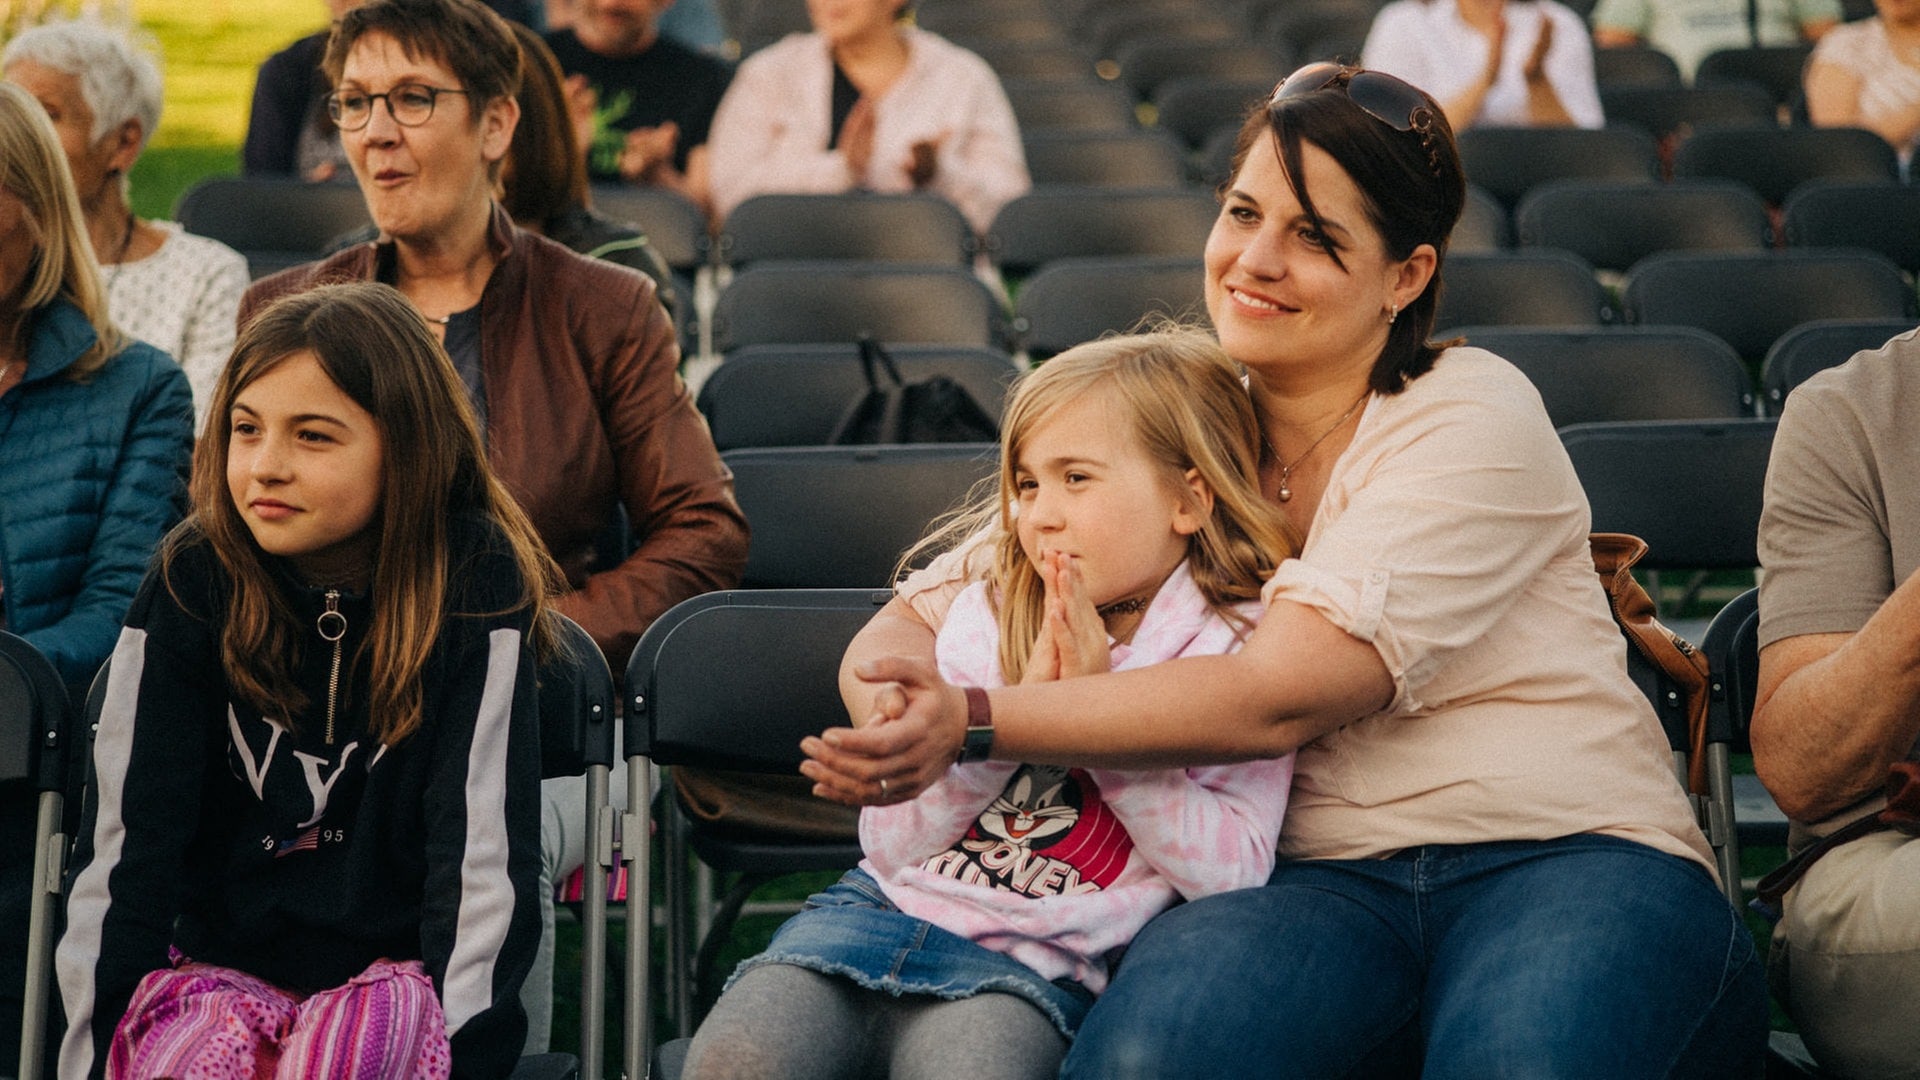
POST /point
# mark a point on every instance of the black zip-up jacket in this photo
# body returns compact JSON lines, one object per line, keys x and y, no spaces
{"x":256,"y":845}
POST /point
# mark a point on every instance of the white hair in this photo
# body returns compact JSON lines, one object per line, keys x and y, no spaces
{"x":118,"y":80}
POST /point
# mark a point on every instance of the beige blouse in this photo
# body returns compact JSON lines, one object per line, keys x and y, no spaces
{"x":1453,"y":538}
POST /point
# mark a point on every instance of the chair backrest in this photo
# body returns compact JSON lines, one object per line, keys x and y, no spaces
{"x":1148,"y":65}
{"x":841,"y":516}
{"x":577,"y":698}
{"x":736,"y":679}
{"x":1059,"y":223}
{"x":1193,"y":107}
{"x":1029,"y":60}
{"x":1689,"y":488}
{"x":1533,"y":287}
{"x":1774,"y":68}
{"x":1775,"y":160}
{"x":1309,"y":31}
{"x":1874,"y":215}
{"x":276,"y":222}
{"x":1614,"y":225}
{"x":1664,"y":111}
{"x":965,"y":22}
{"x":914,"y":227}
{"x":1625,"y":373}
{"x":1068,"y":105}
{"x":791,"y":302}
{"x":1509,"y":161}
{"x":793,"y":395}
{"x":1112,"y":159}
{"x":674,"y":225}
{"x":1749,"y":299}
{"x":1075,"y":300}
{"x":1484,"y":224}
{"x":1634,"y":65}
{"x":1813,"y":347}
{"x":1111,"y":29}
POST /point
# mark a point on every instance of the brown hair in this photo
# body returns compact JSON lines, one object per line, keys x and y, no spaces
{"x":1187,"y":406}
{"x":33,"y":169}
{"x":546,"y":172}
{"x":379,"y":351}
{"x":1412,"y":183}
{"x":474,"y":43}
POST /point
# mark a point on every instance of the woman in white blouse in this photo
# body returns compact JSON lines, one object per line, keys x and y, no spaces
{"x":865,"y":102}
{"x":169,"y":288}
{"x":1867,"y":74}
{"x":1491,"y":63}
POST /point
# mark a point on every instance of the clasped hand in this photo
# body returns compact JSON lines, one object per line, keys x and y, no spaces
{"x":914,"y":732}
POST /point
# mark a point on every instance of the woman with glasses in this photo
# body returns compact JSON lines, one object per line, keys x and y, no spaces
{"x":570,"y":362}
{"x":1486,"y":867}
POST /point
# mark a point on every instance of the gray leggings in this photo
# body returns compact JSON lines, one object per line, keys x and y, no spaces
{"x":782,"y":1022}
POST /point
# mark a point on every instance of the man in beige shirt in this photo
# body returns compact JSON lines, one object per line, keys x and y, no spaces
{"x":1839,"y":701}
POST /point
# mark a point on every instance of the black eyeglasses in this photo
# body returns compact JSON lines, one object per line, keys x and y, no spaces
{"x":1393,"y":102}
{"x":410,"y":105}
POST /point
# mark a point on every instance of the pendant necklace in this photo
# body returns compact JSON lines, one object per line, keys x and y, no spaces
{"x":1286,"y":471}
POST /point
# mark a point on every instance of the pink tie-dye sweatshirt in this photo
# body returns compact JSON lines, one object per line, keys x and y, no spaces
{"x":1060,"y":867}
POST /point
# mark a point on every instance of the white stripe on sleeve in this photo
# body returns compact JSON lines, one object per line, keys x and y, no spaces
{"x":486,"y":892}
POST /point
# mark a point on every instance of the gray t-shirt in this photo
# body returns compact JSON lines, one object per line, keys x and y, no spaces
{"x":1841,"y":525}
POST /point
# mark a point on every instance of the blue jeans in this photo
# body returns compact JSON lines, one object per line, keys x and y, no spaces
{"x":1586,"y":956}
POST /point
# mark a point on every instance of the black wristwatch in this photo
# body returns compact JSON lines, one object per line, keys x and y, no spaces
{"x":978,"y":742}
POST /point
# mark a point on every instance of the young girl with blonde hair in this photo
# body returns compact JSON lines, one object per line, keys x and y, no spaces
{"x":1127,"y":529}
{"x":314,"y":836}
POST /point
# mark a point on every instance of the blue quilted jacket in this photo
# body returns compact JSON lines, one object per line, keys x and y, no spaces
{"x":92,"y":475}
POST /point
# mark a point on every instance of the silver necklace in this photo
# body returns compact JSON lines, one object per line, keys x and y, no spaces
{"x":1286,"y":471}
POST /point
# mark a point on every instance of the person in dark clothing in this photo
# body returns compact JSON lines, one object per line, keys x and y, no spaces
{"x":314,"y":834}
{"x":650,"y":99}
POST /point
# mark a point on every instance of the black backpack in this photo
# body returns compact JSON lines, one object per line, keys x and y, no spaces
{"x":892,"y":410}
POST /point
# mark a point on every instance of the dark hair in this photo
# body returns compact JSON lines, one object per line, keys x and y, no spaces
{"x":465,"y":35}
{"x":546,"y":173}
{"x":1412,"y":183}
{"x":377,"y":349}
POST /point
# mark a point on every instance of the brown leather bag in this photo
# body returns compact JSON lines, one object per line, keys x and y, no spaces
{"x":1674,"y":657}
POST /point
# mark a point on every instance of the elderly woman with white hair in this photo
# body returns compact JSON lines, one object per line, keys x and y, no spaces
{"x":176,"y":291}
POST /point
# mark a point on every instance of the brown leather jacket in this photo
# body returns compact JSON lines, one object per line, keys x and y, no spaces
{"x":586,"y":412}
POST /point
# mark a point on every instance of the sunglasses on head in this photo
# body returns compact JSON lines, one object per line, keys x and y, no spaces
{"x":1391,"y":101}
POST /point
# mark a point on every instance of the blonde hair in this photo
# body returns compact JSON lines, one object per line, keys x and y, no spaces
{"x":33,"y":169}
{"x":1187,"y":408}
{"x":378,"y":350}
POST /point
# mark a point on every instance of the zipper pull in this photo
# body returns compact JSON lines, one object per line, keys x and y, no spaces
{"x":332,"y":626}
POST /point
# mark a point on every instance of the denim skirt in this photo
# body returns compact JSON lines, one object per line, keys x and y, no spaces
{"x":852,"y":930}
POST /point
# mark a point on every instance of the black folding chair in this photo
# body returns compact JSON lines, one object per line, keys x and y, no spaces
{"x":1750,"y":298}
{"x":1148,"y":65}
{"x":1774,"y":160}
{"x":1068,"y":105}
{"x":36,"y":735}
{"x":675,"y":227}
{"x":796,"y":302}
{"x":1813,"y":347}
{"x":1530,"y":287}
{"x":1624,"y":373}
{"x":1484,"y":224}
{"x":1613,"y":225}
{"x":1689,"y":488}
{"x":917,"y":228}
{"x":1510,"y":161}
{"x":1777,"y":69}
{"x":1108,"y":159}
{"x":1873,"y":215}
{"x":1058,"y":223}
{"x":275,"y":221}
{"x":1670,"y":112}
{"x":1193,"y":107}
{"x":728,"y":680}
{"x":1076,"y":300}
{"x":1634,"y":65}
{"x":841,"y":516}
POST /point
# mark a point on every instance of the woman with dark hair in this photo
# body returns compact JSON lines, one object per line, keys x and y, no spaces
{"x":1486,"y":868}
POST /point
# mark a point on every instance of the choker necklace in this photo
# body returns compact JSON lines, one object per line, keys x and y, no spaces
{"x":1286,"y":471}
{"x":1125,"y":607}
